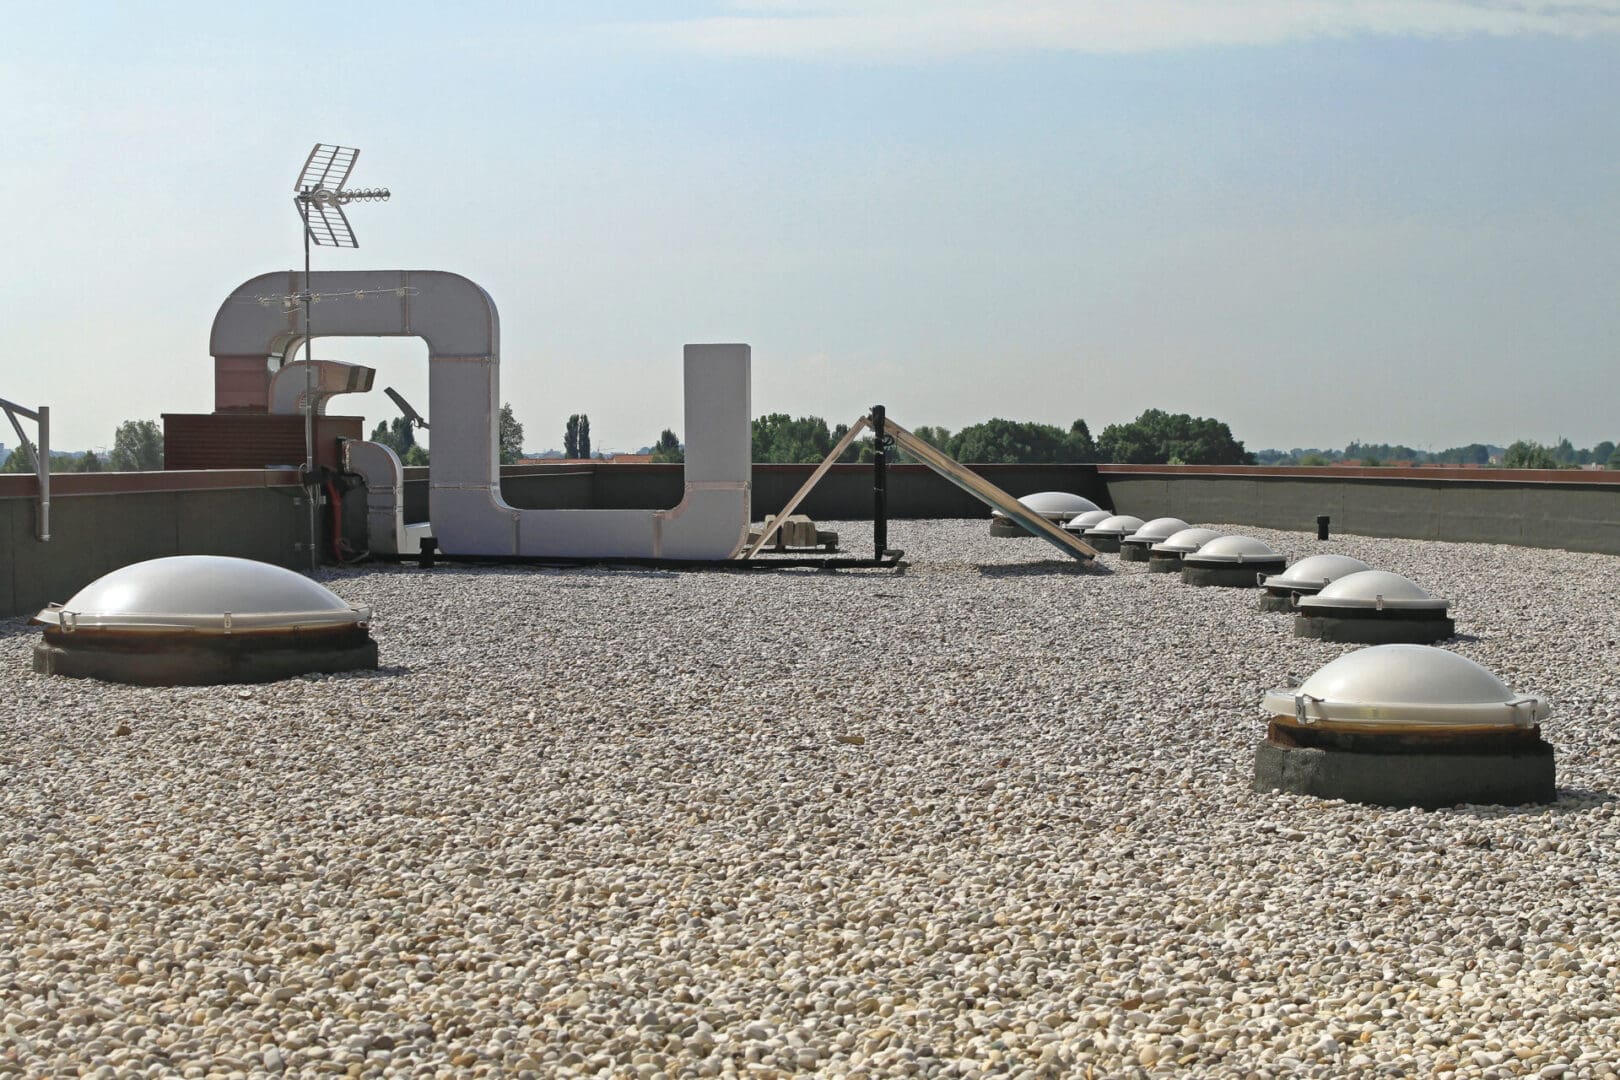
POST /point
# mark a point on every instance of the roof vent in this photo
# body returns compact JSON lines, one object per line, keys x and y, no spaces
{"x":192,"y":620}
{"x":1406,"y":725}
{"x":1234,"y":562}
{"x":1374,"y":607}
{"x":1134,"y":548}
{"x":1306,"y":578}
{"x":1055,"y":506}
{"x":1165,"y":556}
{"x":1107,"y":533}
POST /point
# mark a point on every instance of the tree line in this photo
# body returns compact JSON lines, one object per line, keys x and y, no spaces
{"x":1153,"y":438}
{"x":1523,"y":454}
{"x":137,"y":447}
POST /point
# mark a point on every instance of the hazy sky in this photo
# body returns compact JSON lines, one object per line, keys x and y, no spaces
{"x":1317,"y":220}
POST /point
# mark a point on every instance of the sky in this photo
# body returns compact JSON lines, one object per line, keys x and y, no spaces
{"x":1317,"y":220}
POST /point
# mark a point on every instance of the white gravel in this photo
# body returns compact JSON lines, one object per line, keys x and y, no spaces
{"x":988,"y":815}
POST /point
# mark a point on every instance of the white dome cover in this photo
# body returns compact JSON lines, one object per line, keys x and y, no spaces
{"x":1118,"y":525}
{"x":1156,"y":530}
{"x":1086,"y":520}
{"x":1187,"y":540}
{"x":1055,"y":504}
{"x":1235,"y":549}
{"x":203,"y":592}
{"x":1406,"y":685}
{"x":1378,"y":589}
{"x":1316,"y":572}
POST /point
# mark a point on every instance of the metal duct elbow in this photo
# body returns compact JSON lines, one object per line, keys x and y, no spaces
{"x":332,"y":377}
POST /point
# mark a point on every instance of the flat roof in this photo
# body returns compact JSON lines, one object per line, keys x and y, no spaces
{"x":991,"y":809}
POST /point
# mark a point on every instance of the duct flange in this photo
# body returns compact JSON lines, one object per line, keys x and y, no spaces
{"x":1374,"y":607}
{"x":1137,"y":547}
{"x":1165,"y":557}
{"x":192,"y":620}
{"x":1306,"y":578}
{"x":1406,"y":725}
{"x":1233,"y":562}
{"x":1057,"y":507}
{"x":1107,"y":533}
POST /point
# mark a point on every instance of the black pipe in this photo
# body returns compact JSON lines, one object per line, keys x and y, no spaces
{"x":1322,"y":527}
{"x":880,"y":485}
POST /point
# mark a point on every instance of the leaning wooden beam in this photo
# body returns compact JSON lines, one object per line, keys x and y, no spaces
{"x":981,"y":489}
{"x":798,"y":496}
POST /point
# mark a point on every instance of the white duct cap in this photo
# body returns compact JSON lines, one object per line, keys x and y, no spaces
{"x":1082,"y":522}
{"x":1235,"y":549}
{"x":1118,"y":525}
{"x":1156,"y":530}
{"x":203,"y":594}
{"x":1315,"y":572}
{"x":1187,"y":541}
{"x":1395,"y":686}
{"x":1374,"y":589}
{"x":1054,"y":505}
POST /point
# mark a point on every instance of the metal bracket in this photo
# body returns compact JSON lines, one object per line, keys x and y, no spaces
{"x":40,"y":458}
{"x":1299,"y":707}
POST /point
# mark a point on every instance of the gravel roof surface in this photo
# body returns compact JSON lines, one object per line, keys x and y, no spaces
{"x":990,"y":813}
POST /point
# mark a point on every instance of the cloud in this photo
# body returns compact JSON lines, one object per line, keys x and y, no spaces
{"x":937,"y":29}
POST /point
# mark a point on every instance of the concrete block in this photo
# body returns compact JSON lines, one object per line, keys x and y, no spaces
{"x":1426,"y":780}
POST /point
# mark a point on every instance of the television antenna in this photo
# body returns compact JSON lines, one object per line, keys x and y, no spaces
{"x":320,"y":197}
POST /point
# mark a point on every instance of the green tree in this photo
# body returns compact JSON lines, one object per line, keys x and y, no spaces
{"x":1156,"y":437}
{"x":668,"y":449}
{"x":577,"y":437}
{"x":1314,"y":460}
{"x":511,"y":437}
{"x":16,"y":462}
{"x":1603,"y":452}
{"x":779,"y":438}
{"x":1526,"y":454}
{"x":1000,"y":441}
{"x":89,"y":462}
{"x":1082,"y":446}
{"x":398,"y":435}
{"x":137,"y":447}
{"x":416,"y":455}
{"x":1564,"y":453}
{"x":1472,"y":454}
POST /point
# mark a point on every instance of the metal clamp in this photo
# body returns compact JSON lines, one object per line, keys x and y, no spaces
{"x":1524,"y":722}
{"x":1299,"y":707}
{"x":68,"y":621}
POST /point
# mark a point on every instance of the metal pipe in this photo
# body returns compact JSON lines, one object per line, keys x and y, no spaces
{"x":44,"y":472}
{"x":311,"y":486}
{"x":880,"y":485}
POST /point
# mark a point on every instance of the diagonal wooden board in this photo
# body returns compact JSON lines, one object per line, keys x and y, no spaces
{"x":804,"y":489}
{"x":958,"y":474}
{"x":986,"y":492}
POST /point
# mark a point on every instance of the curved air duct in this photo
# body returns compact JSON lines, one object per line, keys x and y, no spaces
{"x":332,"y":377}
{"x":458,"y":321}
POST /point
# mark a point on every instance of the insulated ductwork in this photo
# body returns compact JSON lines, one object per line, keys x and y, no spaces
{"x":458,"y":321}
{"x":332,"y":377}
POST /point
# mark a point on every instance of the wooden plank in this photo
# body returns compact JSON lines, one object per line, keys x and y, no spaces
{"x":798,"y":496}
{"x":986,"y":492}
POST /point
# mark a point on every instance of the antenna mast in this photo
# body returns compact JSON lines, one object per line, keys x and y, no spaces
{"x":320,"y":198}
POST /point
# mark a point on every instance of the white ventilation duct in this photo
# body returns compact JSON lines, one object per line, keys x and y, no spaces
{"x":458,"y":321}
{"x":332,"y":377}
